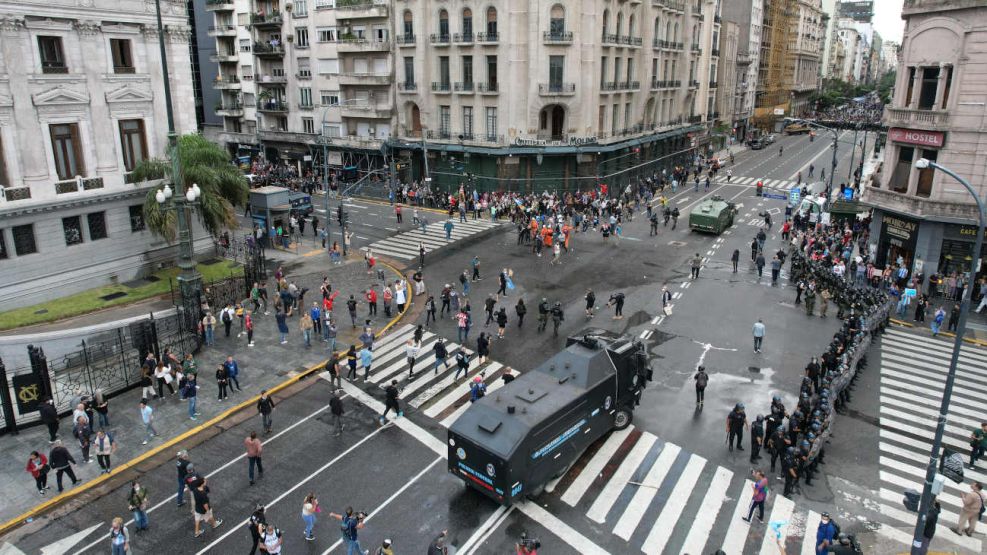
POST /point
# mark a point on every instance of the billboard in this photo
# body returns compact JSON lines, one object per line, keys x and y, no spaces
{"x":862,"y":11}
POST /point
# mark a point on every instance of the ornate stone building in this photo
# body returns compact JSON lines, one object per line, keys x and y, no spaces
{"x":81,"y":102}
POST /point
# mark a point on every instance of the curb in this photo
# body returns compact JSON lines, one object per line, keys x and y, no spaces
{"x":970,"y":340}
{"x":69,"y":495}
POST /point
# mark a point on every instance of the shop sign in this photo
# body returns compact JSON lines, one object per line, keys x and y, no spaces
{"x":917,"y":137}
{"x":899,"y":228}
{"x":962,"y":232}
{"x":569,"y":141}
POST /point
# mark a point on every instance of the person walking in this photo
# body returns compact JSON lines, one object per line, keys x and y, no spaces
{"x":281,"y":318}
{"x":162,"y":374}
{"x":825,"y":534}
{"x":735,"y":259}
{"x":440,"y":355}
{"x":702,"y":379}
{"x":937,"y":320}
{"x":336,"y":409}
{"x":758,"y":332}
{"x":973,"y":504}
{"x":257,"y":525}
{"x":147,"y":418}
{"x":37,"y":466}
{"x":978,"y":444}
{"x":306,"y":326}
{"x":666,"y":301}
{"x":775,"y":269}
{"x":757,"y":438}
{"x":265,"y":406}
{"x":191,"y":394}
{"x":310,"y":506}
{"x":83,"y":433}
{"x":760,"y":487}
{"x":61,"y":462}
{"x":232,"y":372}
{"x":391,"y":402}
{"x":351,"y":523}
{"x":271,"y":540}
{"x":203,"y":509}
{"x":697,"y":263}
{"x":501,"y":322}
{"x":119,"y":538}
{"x":184,"y":466}
{"x":254,"y":449}
{"x":137,"y":504}
{"x":105,"y":447}
{"x":759,"y":263}
{"x":931,"y":521}
{"x":411,"y":348}
{"x":520,"y":309}
{"x":49,"y":416}
{"x":736,"y":422}
{"x":366,"y":360}
{"x":222,"y":382}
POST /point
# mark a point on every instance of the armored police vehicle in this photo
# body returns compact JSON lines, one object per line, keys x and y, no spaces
{"x":512,"y":442}
{"x":712,"y":215}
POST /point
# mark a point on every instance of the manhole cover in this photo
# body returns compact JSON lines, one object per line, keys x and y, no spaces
{"x":754,"y":369}
{"x":677,"y":243}
{"x":112,"y":296}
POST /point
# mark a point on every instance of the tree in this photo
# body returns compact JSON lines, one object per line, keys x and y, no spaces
{"x":203,"y":163}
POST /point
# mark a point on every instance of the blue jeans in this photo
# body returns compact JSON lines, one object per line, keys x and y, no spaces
{"x":210,"y":334}
{"x":308,"y":338}
{"x":104,"y":419}
{"x":466,"y":288}
{"x":448,"y":234}
{"x":462,"y":333}
{"x":284,"y":336}
{"x":353,"y":547}
{"x":325,"y":331}
{"x":332,"y":344}
{"x":180,"y":497}
{"x":439,"y":361}
{"x":309,"y":524}
{"x":251,"y":463}
{"x":118,"y":549}
{"x":140,"y":519}
{"x":191,"y":407}
{"x":150,"y":431}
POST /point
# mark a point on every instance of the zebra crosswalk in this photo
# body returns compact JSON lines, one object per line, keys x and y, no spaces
{"x":913,"y":374}
{"x":646,"y":494}
{"x":404,"y":246}
{"x":777,"y":184}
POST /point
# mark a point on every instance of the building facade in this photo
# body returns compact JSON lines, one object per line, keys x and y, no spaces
{"x":81,"y":102}
{"x":749,"y":17}
{"x":922,"y":217}
{"x":791,"y":50}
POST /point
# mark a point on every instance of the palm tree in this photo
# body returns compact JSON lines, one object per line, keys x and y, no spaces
{"x":206,"y":164}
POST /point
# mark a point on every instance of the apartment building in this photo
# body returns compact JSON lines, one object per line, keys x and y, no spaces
{"x":922,"y":216}
{"x":791,"y":51}
{"x":749,"y":17}
{"x":809,"y":36}
{"x":81,"y":103}
{"x":554,"y":95}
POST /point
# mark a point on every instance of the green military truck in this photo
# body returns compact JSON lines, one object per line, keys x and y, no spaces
{"x":712,"y":215}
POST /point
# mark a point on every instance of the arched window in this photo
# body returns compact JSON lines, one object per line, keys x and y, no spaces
{"x":657,"y":28}
{"x":556,"y":20}
{"x":695,"y":35}
{"x":467,"y":22}
{"x":492,"y":22}
{"x":676,"y":33}
{"x":668,"y":32}
{"x":443,"y":23}
{"x":620,"y":24}
{"x":630,"y":26}
{"x":606,"y":21}
{"x":409,"y":25}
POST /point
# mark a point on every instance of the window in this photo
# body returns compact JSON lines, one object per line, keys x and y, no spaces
{"x":244,"y":45}
{"x":409,"y":70}
{"x":72,"y":227}
{"x":443,"y":23}
{"x":468,"y":70}
{"x":606,"y":21}
{"x":601,"y":118}
{"x":326,"y":34}
{"x":123,"y":61}
{"x":902,"y":170}
{"x":556,"y":22}
{"x":617,"y":63}
{"x":492,"y":22}
{"x":911,"y":84}
{"x":332,"y":130}
{"x":301,"y":8}
{"x":52,"y":58}
{"x":467,"y":22}
{"x":444,"y":120}
{"x":492,"y":72}
{"x":555,"y":64}
{"x":329,"y":98}
{"x":945,"y":91}
{"x":468,"y":121}
{"x":301,"y":37}
{"x":409,"y":25}
{"x":925,"y":175}
{"x":137,"y":218}
{"x":491,"y":123}
{"x":305,"y":96}
{"x":304,"y":68}
{"x":66,"y":147}
{"x":615,"y":118}
{"x":328,"y":66}
{"x":24,"y":240}
{"x":627,"y":115}
{"x":444,"y":70}
{"x":308,"y":125}
{"x":133,"y":142}
{"x":630,"y":69}
{"x":97,"y":225}
{"x":930,"y":82}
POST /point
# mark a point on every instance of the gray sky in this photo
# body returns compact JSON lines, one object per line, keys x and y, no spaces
{"x":887,"y":19}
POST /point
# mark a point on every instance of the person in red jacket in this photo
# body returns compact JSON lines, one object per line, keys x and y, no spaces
{"x":37,"y":465}
{"x":371,"y":297}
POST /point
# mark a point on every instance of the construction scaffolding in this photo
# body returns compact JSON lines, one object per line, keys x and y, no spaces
{"x":777,"y":71}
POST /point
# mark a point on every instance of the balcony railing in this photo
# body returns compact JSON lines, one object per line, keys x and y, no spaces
{"x":220,"y":30}
{"x":266,"y":20}
{"x":359,"y":10}
{"x":226,"y":82}
{"x":715,"y":52}
{"x":631,"y":41}
{"x":356,"y":45}
{"x":486,"y":88}
{"x":54,"y":67}
{"x":488,"y":38}
{"x":556,"y":89}
{"x":272,"y":106}
{"x":442,"y":134}
{"x":436,"y":38}
{"x":407,"y":86}
{"x":441,"y":86}
{"x":11,"y":194}
{"x":78,"y":184}
{"x":406,"y":39}
{"x":465,"y":87}
{"x":231,"y":109}
{"x":552,"y":37}
{"x":717,"y":19}
{"x":272,"y":79}
{"x":609,"y":38}
{"x":266,"y":50}
{"x":934,"y":119}
{"x":219,"y":5}
{"x":124,"y":69}
{"x":463,"y":38}
{"x":665,"y":83}
{"x":713,"y":84}
{"x":693,"y":84}
{"x":695,"y":119}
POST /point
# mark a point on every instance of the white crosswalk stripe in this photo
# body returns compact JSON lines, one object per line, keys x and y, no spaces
{"x":913,"y":375}
{"x":405,"y":245}
{"x":642,"y":487}
{"x":774,"y":184}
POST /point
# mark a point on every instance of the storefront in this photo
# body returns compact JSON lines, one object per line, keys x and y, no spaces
{"x":897,"y":241}
{"x":957,"y":250}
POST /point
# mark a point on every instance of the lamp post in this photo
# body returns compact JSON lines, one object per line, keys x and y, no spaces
{"x":189,"y":280}
{"x":930,"y":472}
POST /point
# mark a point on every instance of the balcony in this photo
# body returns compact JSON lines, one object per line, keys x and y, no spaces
{"x":365,"y":111}
{"x":715,"y":52}
{"x":304,"y":74}
{"x":363,"y":45}
{"x":440,"y":135}
{"x":439,"y":40}
{"x":556,"y":89}
{"x":227,"y":57}
{"x":441,"y":87}
{"x":230,"y":109}
{"x":695,"y":49}
{"x":931,"y":120}
{"x":487,"y":38}
{"x":282,"y":135}
{"x":54,"y":67}
{"x":631,"y":41}
{"x":222,"y":31}
{"x":407,"y":87}
{"x":360,"y":10}
{"x":463,"y":38}
{"x":404,"y":40}
{"x":695,"y":119}
{"x":78,"y":184}
{"x":717,"y":19}
{"x":693,"y":84}
{"x":275,"y":106}
{"x":11,"y":194}
{"x":713,"y":84}
{"x":610,"y":39}
{"x":699,"y":16}
{"x":228,"y":82}
{"x":918,"y":207}
{"x":465,"y":87}
{"x":355,"y":78}
{"x":675,"y":5}
{"x":551,"y":37}
{"x":272,"y":79}
{"x":487,"y":88}
{"x":267,"y":51}
{"x":266,"y":21}
{"x":219,"y":6}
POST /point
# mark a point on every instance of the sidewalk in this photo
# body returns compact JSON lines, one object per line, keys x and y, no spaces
{"x":264,"y":366}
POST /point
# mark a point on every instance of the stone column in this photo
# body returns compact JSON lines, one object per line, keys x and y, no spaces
{"x":104,"y":135}
{"x":916,"y":88}
{"x":941,"y":86}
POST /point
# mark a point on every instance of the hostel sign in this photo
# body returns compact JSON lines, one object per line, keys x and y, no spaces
{"x":917,"y":137}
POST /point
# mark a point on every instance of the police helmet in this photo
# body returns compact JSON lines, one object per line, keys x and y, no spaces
{"x":776,"y":399}
{"x":816,"y":427}
{"x":810,"y":436}
{"x":790,"y":450}
{"x":760,"y":418}
{"x":740,"y":406}
{"x":797,"y":414}
{"x":805,"y":444}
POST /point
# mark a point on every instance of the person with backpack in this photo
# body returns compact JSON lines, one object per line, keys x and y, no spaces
{"x":336,"y":409}
{"x":825,"y":534}
{"x":271,"y":540}
{"x":440,"y":355}
{"x":390,"y":403}
{"x":702,"y":379}
{"x":462,"y":364}
{"x":256,"y":525}
{"x":973,"y":509}
{"x":760,"y":487}
{"x":477,"y":389}
{"x":350,"y":524}
{"x":119,"y":538}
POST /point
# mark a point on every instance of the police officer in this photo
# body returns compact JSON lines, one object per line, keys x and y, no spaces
{"x":736,"y":422}
{"x":543,"y":310}
{"x":557,"y":316}
{"x":789,"y":467}
{"x":810,"y":300}
{"x":757,"y":438}
{"x":653,"y":218}
{"x":777,"y":443}
{"x":812,"y":372}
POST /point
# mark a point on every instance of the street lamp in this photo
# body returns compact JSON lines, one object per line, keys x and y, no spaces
{"x":930,"y":472}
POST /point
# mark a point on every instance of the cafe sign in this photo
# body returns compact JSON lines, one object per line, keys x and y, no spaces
{"x":917,"y":137}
